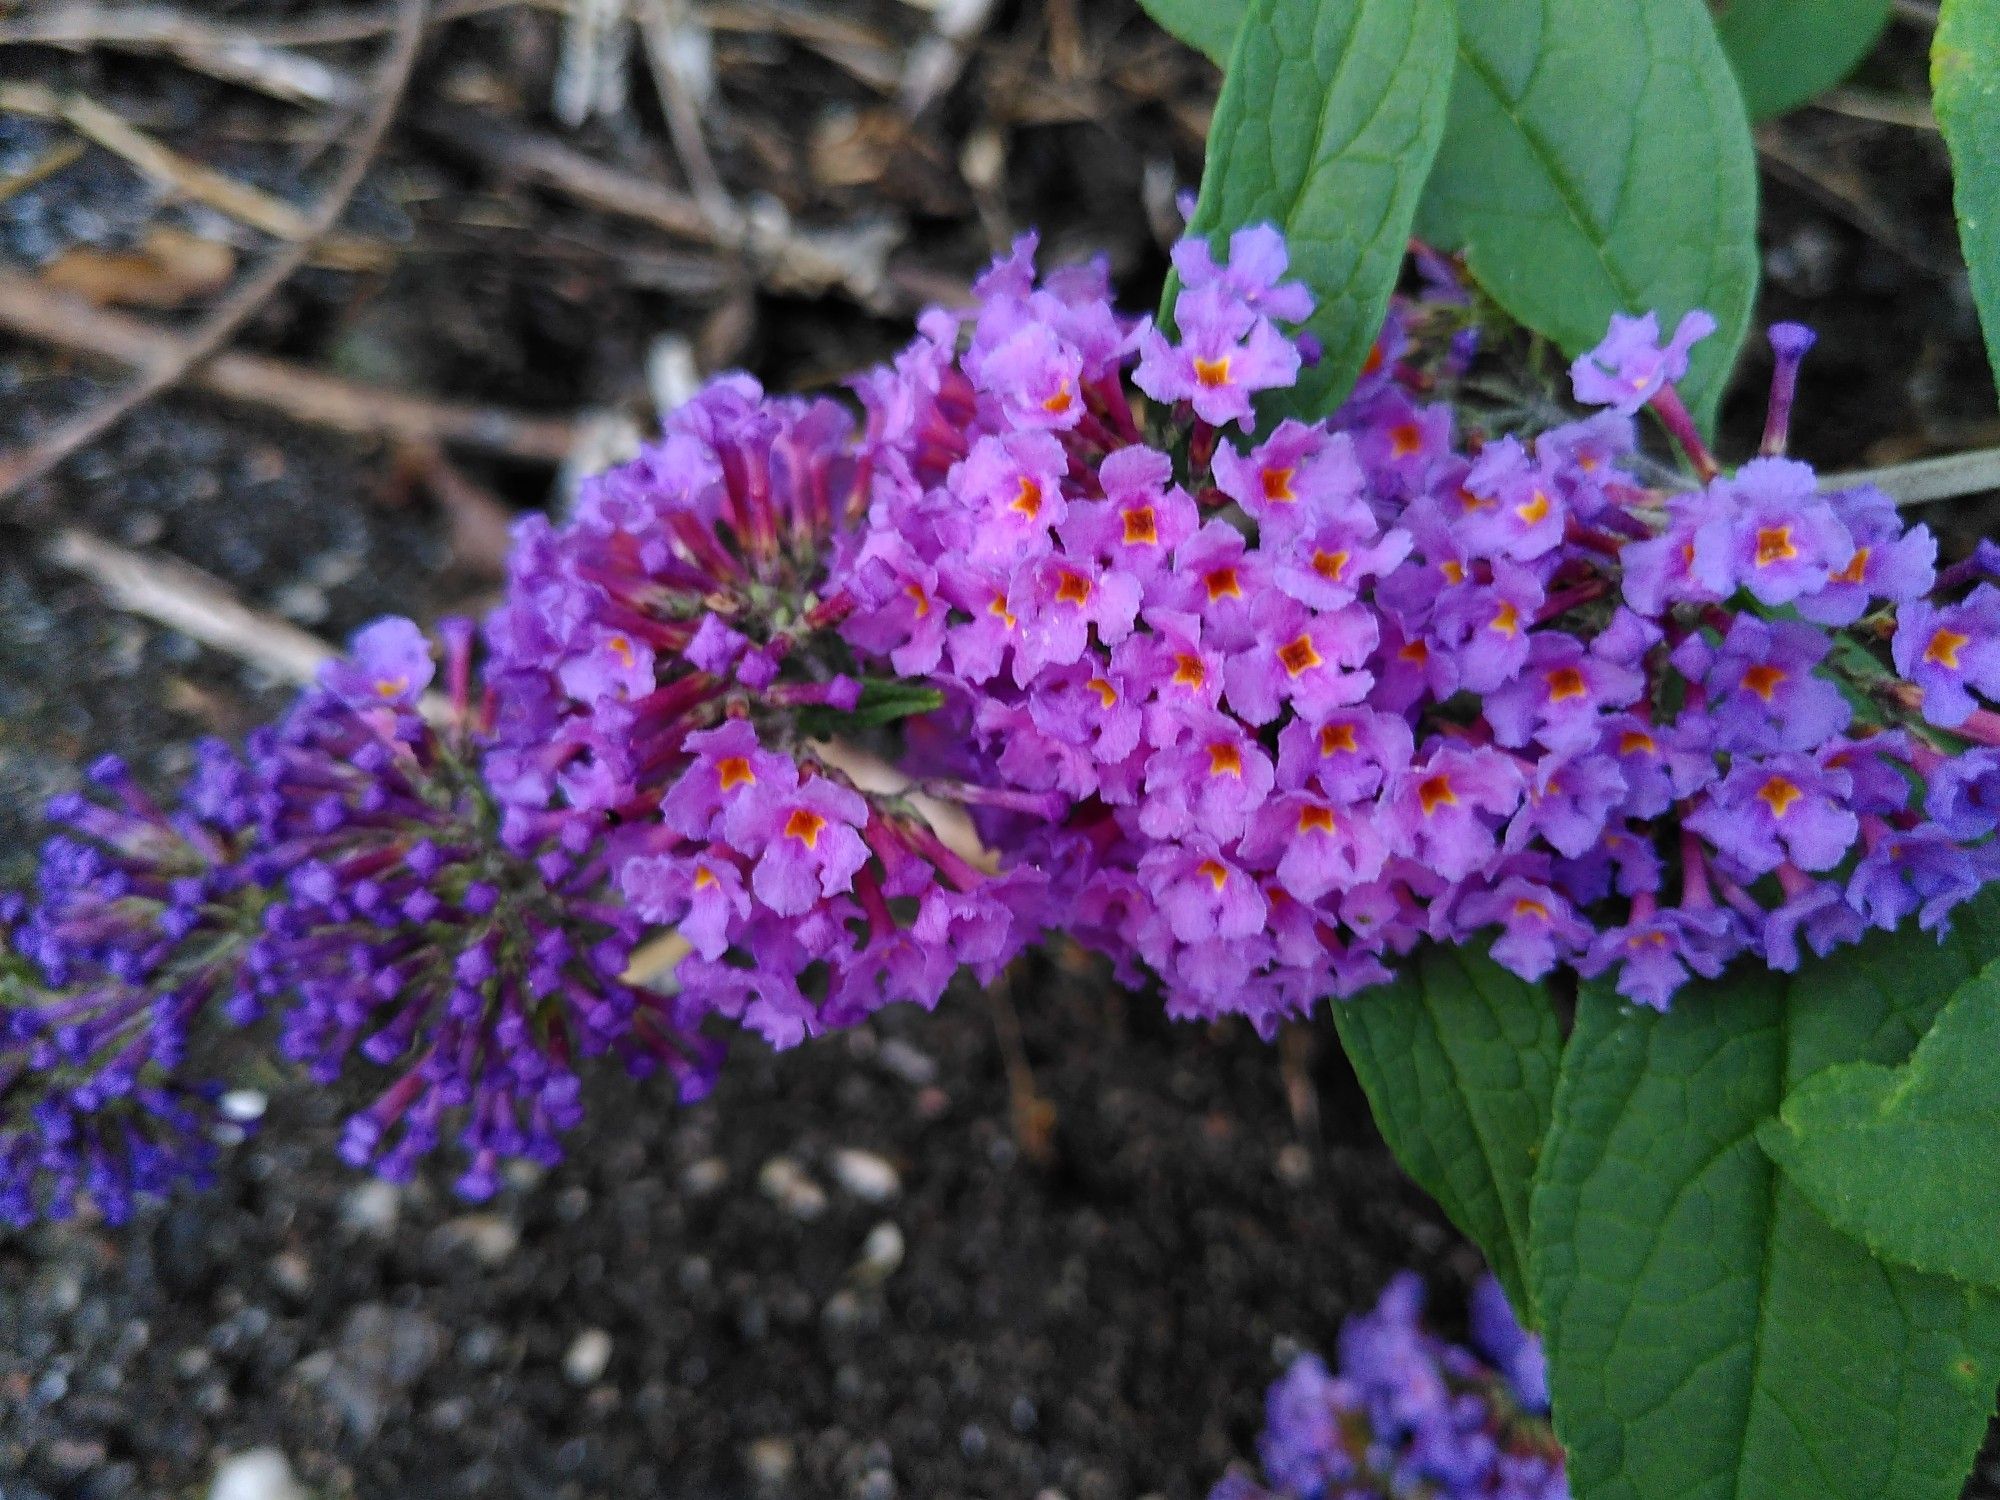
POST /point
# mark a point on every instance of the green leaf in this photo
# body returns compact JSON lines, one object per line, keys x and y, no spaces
{"x":1965,"y":89}
{"x":1208,"y":26}
{"x":1708,"y":1333}
{"x":1458,"y":1059}
{"x":1598,"y":160}
{"x":1907,"y":1160}
{"x":883,"y":700}
{"x":1786,"y":51}
{"x":1331,"y":111}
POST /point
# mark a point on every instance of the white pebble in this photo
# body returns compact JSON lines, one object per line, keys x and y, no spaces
{"x":881,"y":1253}
{"x":372,"y":1207}
{"x":260,"y":1474}
{"x":785,"y":1183}
{"x":866,"y":1175}
{"x":588,"y":1358}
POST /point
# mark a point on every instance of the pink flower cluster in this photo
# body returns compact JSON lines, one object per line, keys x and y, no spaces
{"x":1315,"y":693}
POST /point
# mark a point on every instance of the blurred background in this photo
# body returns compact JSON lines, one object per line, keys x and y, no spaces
{"x":1041,"y":1242}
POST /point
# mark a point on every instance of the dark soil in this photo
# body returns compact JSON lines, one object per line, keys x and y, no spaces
{"x":1093,"y":1312}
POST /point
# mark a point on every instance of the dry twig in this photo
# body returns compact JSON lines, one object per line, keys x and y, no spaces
{"x":222,"y":52}
{"x":29,"y":310}
{"x":222,"y":323}
{"x":192,"y":602}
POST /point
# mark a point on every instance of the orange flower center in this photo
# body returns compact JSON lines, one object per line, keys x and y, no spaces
{"x":1330,"y":565}
{"x":703,"y":877}
{"x":1189,"y":671}
{"x":1774,"y":545}
{"x":734,"y":771}
{"x":1763,"y":680}
{"x":1278,"y":486}
{"x":1945,"y":645}
{"x":1073,"y":588}
{"x":1527,"y":906}
{"x":1223,"y":584}
{"x":1061,"y":401}
{"x":1435,"y":792}
{"x":1225,"y":759}
{"x":1027,"y":499}
{"x":1336,"y":738}
{"x":1507,"y":619}
{"x":1415,"y":651}
{"x":1405,"y":438}
{"x":1779,"y":793}
{"x":1566,"y":683}
{"x":1315,"y":819}
{"x":998,"y":609}
{"x":621,"y":648}
{"x":1106,"y":693}
{"x":1453,"y":570}
{"x":1636,"y":742}
{"x":1217,"y":873}
{"x":1857,"y":565}
{"x":805,"y":825}
{"x":1297,"y":656}
{"x":1212,"y":372}
{"x":919,"y":597}
{"x":1535,"y":509}
{"x":1141,"y":527}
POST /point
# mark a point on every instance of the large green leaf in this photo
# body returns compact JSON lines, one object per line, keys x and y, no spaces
{"x":1598,"y":160}
{"x":1206,"y":25}
{"x":1331,"y":111}
{"x":1786,"y":51}
{"x":1458,"y":1058}
{"x":1965,"y":88}
{"x":1709,"y":1335}
{"x":1907,"y":1159}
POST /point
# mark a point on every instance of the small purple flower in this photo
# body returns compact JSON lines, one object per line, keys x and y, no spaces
{"x":804,"y":834}
{"x":1765,"y":691}
{"x":1226,"y":355}
{"x":1444,"y":809}
{"x":1628,"y":368}
{"x":1559,"y":698}
{"x":1890,"y":561}
{"x":1783,"y":807}
{"x":1950,"y":652}
{"x":1253,"y":274}
{"x":1297,"y":478}
{"x":388,"y":666}
{"x":1202,"y":893}
{"x":1782,"y":539}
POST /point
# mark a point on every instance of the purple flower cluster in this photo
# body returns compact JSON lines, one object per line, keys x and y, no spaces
{"x":1409,"y":1415}
{"x":657,"y":663}
{"x":139,"y":925}
{"x":352,"y":874}
{"x":1312,"y":694}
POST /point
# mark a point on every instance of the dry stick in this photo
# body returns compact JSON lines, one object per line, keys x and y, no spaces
{"x":1928,"y":480}
{"x":30,"y":310}
{"x":220,"y":51}
{"x":194,"y":603}
{"x":215,"y":330}
{"x":86,"y":25}
{"x":658,"y":22}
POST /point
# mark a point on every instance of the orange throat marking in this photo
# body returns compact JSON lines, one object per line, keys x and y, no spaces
{"x":805,"y":825}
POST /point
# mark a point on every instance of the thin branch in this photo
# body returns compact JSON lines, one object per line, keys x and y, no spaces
{"x":222,"y":52}
{"x":188,"y":600}
{"x":1928,"y":480}
{"x":222,"y":323}
{"x":29,"y":310}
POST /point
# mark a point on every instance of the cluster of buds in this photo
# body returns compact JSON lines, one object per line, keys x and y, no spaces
{"x":351,"y":876}
{"x":1409,"y":1414}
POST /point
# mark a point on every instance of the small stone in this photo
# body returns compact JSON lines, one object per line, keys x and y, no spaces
{"x":705,"y":1176}
{"x":292,"y":1274}
{"x":372,"y":1207}
{"x":492,"y":1238}
{"x":770,"y":1460}
{"x":915,"y":1068}
{"x":867,"y":1176}
{"x":785,"y":1183}
{"x":260,"y":1474}
{"x":881,"y":1254}
{"x":1294,"y":1165}
{"x":588,"y":1358}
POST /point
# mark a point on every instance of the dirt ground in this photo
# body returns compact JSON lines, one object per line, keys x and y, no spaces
{"x":1039,"y":1241}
